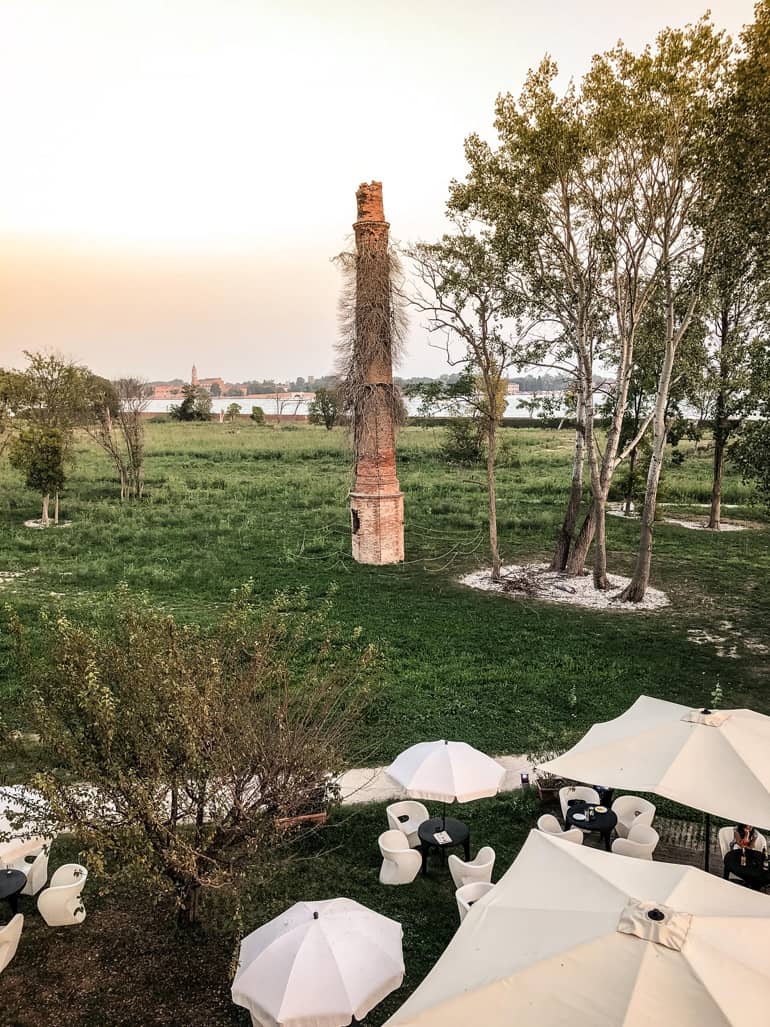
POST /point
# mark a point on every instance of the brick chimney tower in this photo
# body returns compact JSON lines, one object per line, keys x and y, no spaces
{"x":376,"y":500}
{"x":194,"y":378}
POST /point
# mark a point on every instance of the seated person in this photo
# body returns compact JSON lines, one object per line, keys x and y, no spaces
{"x":744,"y":837}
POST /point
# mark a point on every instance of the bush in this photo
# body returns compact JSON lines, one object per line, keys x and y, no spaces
{"x":464,"y":441}
{"x":258,"y":415}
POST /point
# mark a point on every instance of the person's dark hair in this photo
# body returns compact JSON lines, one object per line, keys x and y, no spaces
{"x":741,"y":829}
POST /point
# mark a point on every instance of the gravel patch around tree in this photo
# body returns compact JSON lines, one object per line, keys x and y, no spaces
{"x":537,"y":581}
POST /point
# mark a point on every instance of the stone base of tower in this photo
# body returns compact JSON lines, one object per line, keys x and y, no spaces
{"x":377,"y":524}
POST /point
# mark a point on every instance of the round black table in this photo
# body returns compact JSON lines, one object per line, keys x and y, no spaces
{"x":754,"y":873}
{"x":602,"y":823}
{"x":11,"y":884}
{"x":458,"y":835}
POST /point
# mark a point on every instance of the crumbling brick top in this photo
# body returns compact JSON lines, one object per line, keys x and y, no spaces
{"x":369,"y":199}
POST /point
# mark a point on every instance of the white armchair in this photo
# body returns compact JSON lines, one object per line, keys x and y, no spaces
{"x":60,"y":904}
{"x":9,"y":940}
{"x":640,"y":843}
{"x":35,"y":866}
{"x":580,"y":792}
{"x":400,"y":864}
{"x":548,"y":824}
{"x":478,"y":869}
{"x":630,"y":811}
{"x":415,"y":814}
{"x":470,"y":893}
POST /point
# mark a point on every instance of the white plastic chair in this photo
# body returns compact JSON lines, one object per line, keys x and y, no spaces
{"x":470,"y":893}
{"x":631,"y":810}
{"x":416,"y":814}
{"x":641,"y":842}
{"x":60,"y":904}
{"x":548,"y":824}
{"x":580,"y":792}
{"x":9,"y":940}
{"x":400,"y":864}
{"x":476,"y":870}
{"x":36,"y":869}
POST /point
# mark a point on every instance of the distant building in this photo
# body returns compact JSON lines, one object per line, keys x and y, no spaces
{"x":513,"y":389}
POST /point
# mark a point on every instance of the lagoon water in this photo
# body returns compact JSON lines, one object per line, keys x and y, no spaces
{"x":513,"y":408}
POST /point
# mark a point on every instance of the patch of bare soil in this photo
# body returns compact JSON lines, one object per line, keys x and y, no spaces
{"x":537,"y":581}
{"x":36,"y":522}
{"x":125,"y":966}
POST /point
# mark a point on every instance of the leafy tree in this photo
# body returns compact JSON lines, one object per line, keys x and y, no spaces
{"x":233,"y":411}
{"x":195,"y":406}
{"x":39,"y":453}
{"x":193,"y":740}
{"x":752,"y":449}
{"x":257,"y":415}
{"x":324,"y":408}
{"x":215,"y":390}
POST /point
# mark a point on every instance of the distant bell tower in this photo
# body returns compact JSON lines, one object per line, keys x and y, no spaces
{"x":194,"y":378}
{"x":376,"y":500}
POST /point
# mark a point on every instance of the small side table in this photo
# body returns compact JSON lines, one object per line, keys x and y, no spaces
{"x":11,"y":884}
{"x":459,"y":834}
{"x":753,"y":874}
{"x":602,"y":823}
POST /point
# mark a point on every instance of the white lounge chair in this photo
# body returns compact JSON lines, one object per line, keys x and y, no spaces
{"x":476,"y":870}
{"x":35,"y":866}
{"x":9,"y":940}
{"x":60,"y":904}
{"x":641,"y":842}
{"x":726,"y":836}
{"x":415,"y":814}
{"x":400,"y":864}
{"x":631,"y":810}
{"x":470,"y":893}
{"x":548,"y":824}
{"x":581,"y":793}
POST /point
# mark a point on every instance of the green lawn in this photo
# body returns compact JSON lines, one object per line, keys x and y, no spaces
{"x":224,"y":505}
{"x":228,"y":504}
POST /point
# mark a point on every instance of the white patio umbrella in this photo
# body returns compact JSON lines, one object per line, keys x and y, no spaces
{"x":716,"y":761}
{"x":319,"y":964}
{"x":446,"y":771}
{"x":572,"y":935}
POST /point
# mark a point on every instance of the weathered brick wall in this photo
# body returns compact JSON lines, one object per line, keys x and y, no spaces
{"x":376,"y":500}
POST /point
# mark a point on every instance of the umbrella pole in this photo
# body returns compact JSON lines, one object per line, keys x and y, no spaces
{"x":708,"y":843}
{"x":443,"y":818}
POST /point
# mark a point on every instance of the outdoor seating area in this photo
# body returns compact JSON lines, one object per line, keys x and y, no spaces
{"x":24,"y":873}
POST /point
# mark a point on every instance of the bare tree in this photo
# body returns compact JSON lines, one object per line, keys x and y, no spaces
{"x":467,"y":301}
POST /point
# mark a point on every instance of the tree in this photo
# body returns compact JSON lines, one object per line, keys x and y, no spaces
{"x":324,"y":408}
{"x":39,"y":453}
{"x":195,"y":406}
{"x":468,"y":303}
{"x":112,"y":417}
{"x":233,"y":411}
{"x":193,"y":741}
{"x":257,"y":415}
{"x":215,"y":390}
{"x":752,"y":449}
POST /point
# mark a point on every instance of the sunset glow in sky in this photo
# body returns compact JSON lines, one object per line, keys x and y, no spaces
{"x":176,"y":174}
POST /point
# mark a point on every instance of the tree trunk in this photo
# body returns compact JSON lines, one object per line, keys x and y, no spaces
{"x":721,"y":426}
{"x":56,"y":507}
{"x":492,"y":494}
{"x":637,"y":586}
{"x":600,"y":549}
{"x":715,"y":514}
{"x":189,"y":904}
{"x":577,"y":557}
{"x":567,"y":529}
{"x":44,"y":516}
{"x":631,"y":481}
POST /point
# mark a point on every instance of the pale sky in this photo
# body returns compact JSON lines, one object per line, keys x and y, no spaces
{"x":177,"y":174}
